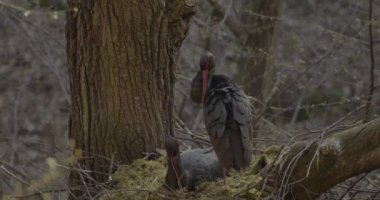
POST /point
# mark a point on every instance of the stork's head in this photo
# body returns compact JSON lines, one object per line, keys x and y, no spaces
{"x":173,"y":178}
{"x":171,"y":147}
{"x":207,"y":66}
{"x":207,"y":62}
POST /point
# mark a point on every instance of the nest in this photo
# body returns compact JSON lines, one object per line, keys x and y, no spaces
{"x":144,"y":179}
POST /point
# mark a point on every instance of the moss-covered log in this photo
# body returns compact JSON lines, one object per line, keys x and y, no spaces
{"x":306,"y":170}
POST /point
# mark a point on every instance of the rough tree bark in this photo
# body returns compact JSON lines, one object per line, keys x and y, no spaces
{"x":121,"y":62}
{"x":332,"y":160}
{"x":255,"y":72}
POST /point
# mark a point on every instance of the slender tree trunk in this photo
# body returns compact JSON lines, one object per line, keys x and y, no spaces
{"x":256,"y":66}
{"x":121,"y":61}
{"x":256,"y":69}
{"x":256,"y":29}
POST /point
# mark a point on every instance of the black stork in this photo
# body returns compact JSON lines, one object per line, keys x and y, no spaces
{"x":191,"y":167}
{"x":227,"y":114}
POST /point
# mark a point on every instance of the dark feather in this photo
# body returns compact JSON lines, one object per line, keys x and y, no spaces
{"x":227,"y":114}
{"x":200,"y":165}
{"x":191,"y":167}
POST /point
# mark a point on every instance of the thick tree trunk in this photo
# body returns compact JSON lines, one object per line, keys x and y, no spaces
{"x":256,"y":70}
{"x":307,"y":170}
{"x":121,"y":62}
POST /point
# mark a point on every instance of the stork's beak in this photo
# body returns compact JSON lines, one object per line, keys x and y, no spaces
{"x":204,"y":84}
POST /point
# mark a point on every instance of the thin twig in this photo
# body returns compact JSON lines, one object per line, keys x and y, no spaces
{"x":183,"y":128}
{"x":298,"y":108}
{"x":374,"y":195}
{"x":111,"y":167}
{"x":13,"y":175}
{"x":372,"y":72}
{"x":14,"y":6}
{"x":353,"y":185}
{"x":372,"y":182}
{"x":23,"y":196}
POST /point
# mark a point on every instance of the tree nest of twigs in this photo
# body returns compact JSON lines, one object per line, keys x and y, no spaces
{"x":144,"y":179}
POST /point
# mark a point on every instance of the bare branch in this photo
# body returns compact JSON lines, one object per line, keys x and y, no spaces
{"x":339,"y":156}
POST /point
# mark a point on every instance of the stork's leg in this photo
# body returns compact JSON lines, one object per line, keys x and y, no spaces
{"x":225,"y":175}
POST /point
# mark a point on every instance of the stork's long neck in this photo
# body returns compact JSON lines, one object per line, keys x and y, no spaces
{"x":174,"y":177}
{"x":174,"y":163}
{"x":208,"y":85}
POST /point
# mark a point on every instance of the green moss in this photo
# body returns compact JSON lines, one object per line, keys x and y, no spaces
{"x":145,"y":179}
{"x":138,"y":180}
{"x":271,"y":153}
